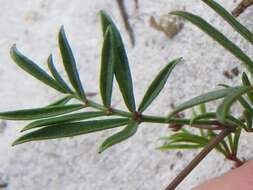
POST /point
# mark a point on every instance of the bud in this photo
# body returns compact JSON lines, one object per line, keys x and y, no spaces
{"x":177,"y":127}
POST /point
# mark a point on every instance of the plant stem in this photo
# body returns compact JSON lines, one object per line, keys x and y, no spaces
{"x":201,"y":124}
{"x":178,"y":121}
{"x":125,"y":17}
{"x":151,"y":119}
{"x":210,"y":146}
{"x":155,"y":119}
{"x":242,"y":7}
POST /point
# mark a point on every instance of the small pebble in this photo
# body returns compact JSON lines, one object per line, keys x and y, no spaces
{"x":32,"y":16}
{"x":179,"y":154}
{"x":235,"y":71}
{"x":231,"y":74}
{"x":172,"y":166}
{"x":3,"y":125}
{"x":3,"y":181}
{"x":168,"y":24}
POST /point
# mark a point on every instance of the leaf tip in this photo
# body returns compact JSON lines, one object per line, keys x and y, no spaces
{"x":62,"y":28}
{"x":16,"y":142}
{"x":62,"y":32}
{"x":24,"y":129}
{"x":180,"y":59}
{"x":102,"y":13}
{"x":13,"y":47}
{"x":104,"y":146}
{"x":13,"y":50}
{"x":173,"y":12}
{"x":50,"y":57}
{"x":161,"y":148}
{"x":101,"y":149}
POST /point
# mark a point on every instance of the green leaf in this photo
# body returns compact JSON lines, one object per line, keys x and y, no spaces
{"x":63,"y":119}
{"x":236,"y":140}
{"x":179,"y":146}
{"x":105,"y":21}
{"x":246,"y":105}
{"x":246,"y":82}
{"x":236,"y":122}
{"x":202,"y":108}
{"x":227,"y":16}
{"x":70,"y":64}
{"x":127,"y":132}
{"x":219,"y":147}
{"x":30,"y":67}
{"x":194,"y":113}
{"x":207,"y":97}
{"x":230,"y":142}
{"x":223,"y":109}
{"x":225,"y":146}
{"x":242,"y":101}
{"x":61,"y":101}
{"x":207,"y":115}
{"x":70,"y":130}
{"x":248,"y":118}
{"x":56,"y":75}
{"x":187,"y":137}
{"x":37,"y":113}
{"x":222,"y":147}
{"x":157,"y":85}
{"x":121,"y":66}
{"x":217,"y":36}
{"x":106,"y":71}
{"x":212,"y":115}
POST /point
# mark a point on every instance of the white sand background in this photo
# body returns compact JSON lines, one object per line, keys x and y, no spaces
{"x":74,"y":164}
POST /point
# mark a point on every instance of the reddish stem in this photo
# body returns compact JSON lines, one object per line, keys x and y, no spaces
{"x":234,"y":158}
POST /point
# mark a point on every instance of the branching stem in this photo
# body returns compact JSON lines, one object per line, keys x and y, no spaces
{"x":201,"y":124}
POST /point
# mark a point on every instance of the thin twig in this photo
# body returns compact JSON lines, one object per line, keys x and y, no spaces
{"x":125,"y":17}
{"x":210,"y":146}
{"x":136,"y":4}
{"x":242,"y":7}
